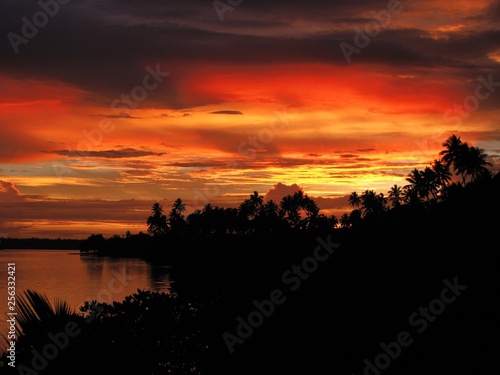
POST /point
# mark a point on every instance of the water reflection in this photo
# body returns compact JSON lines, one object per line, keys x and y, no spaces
{"x":75,"y":278}
{"x":112,"y":277}
{"x":160,"y":277}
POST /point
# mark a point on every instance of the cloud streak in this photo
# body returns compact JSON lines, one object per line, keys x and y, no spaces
{"x":109,"y":154}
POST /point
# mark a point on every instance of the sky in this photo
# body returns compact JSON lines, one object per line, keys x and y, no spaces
{"x":108,"y":106}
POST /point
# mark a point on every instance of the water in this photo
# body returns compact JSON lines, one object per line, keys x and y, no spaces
{"x":67,"y":275}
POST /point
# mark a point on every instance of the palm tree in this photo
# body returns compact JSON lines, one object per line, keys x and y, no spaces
{"x":442,"y":173}
{"x":333,"y":221}
{"x":244,"y":213}
{"x":298,"y":196}
{"x":344,"y":220}
{"x":312,"y":212}
{"x":429,"y":181}
{"x":310,"y":206}
{"x":177,"y":223}
{"x":37,"y":317}
{"x":466,"y":161}
{"x":157,"y":222}
{"x":179,"y":206}
{"x":451,"y":154}
{"x":35,"y":308}
{"x":254,"y":204}
{"x":268,"y":218}
{"x":290,"y":207}
{"x":271,"y":209}
{"x":355,"y":217}
{"x":381,"y":203}
{"x":372,"y":202}
{"x":396,"y":195}
{"x":410,"y":194}
{"x":417,"y":186}
{"x":256,"y":200}
{"x":354,"y":199}
{"x":475,"y":163}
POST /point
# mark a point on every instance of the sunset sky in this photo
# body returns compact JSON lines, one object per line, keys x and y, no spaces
{"x":110,"y":106}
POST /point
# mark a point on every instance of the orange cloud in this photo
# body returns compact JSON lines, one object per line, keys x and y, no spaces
{"x":8,"y":192}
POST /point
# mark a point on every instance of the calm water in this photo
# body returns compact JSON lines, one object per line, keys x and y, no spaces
{"x":67,"y":275}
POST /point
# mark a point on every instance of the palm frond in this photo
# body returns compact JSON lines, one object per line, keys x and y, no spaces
{"x":61,"y":307}
{"x":33,"y":306}
{"x":34,"y":310}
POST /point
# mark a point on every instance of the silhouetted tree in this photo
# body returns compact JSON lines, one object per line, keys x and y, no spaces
{"x":345,"y":222}
{"x":372,"y":203}
{"x":475,"y":163}
{"x":451,"y":155}
{"x":410,"y":195}
{"x":290,"y":207}
{"x":157,"y":222}
{"x":312,"y":211}
{"x":355,"y":217}
{"x":442,"y":174}
{"x":254,"y":203}
{"x":396,"y":195}
{"x":430,"y":184}
{"x":333,"y":221}
{"x":268,"y":219}
{"x":466,"y":161}
{"x":176,"y":219}
{"x":354,"y":200}
{"x":417,"y":189}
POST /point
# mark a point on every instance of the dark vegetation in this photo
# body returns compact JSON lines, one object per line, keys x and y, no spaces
{"x":395,"y":253}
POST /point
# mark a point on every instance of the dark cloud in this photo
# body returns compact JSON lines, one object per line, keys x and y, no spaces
{"x":200,"y":164}
{"x":104,"y":47}
{"x":493,"y":11}
{"x":226,"y":112}
{"x":109,"y":154}
{"x":121,"y":115}
{"x":167,"y":115}
{"x":349,"y":156}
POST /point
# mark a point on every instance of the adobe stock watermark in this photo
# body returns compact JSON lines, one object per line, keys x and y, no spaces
{"x":249,"y":148}
{"x":121,"y":108}
{"x":471,"y":103}
{"x":419,"y":320}
{"x":222,"y":7}
{"x":460,"y":112}
{"x":30,"y":28}
{"x":372,"y":29}
{"x":292,"y":279}
{"x":59,"y":341}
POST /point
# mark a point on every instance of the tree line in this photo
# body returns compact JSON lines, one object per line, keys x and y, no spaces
{"x":428,"y":186}
{"x":300,"y":212}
